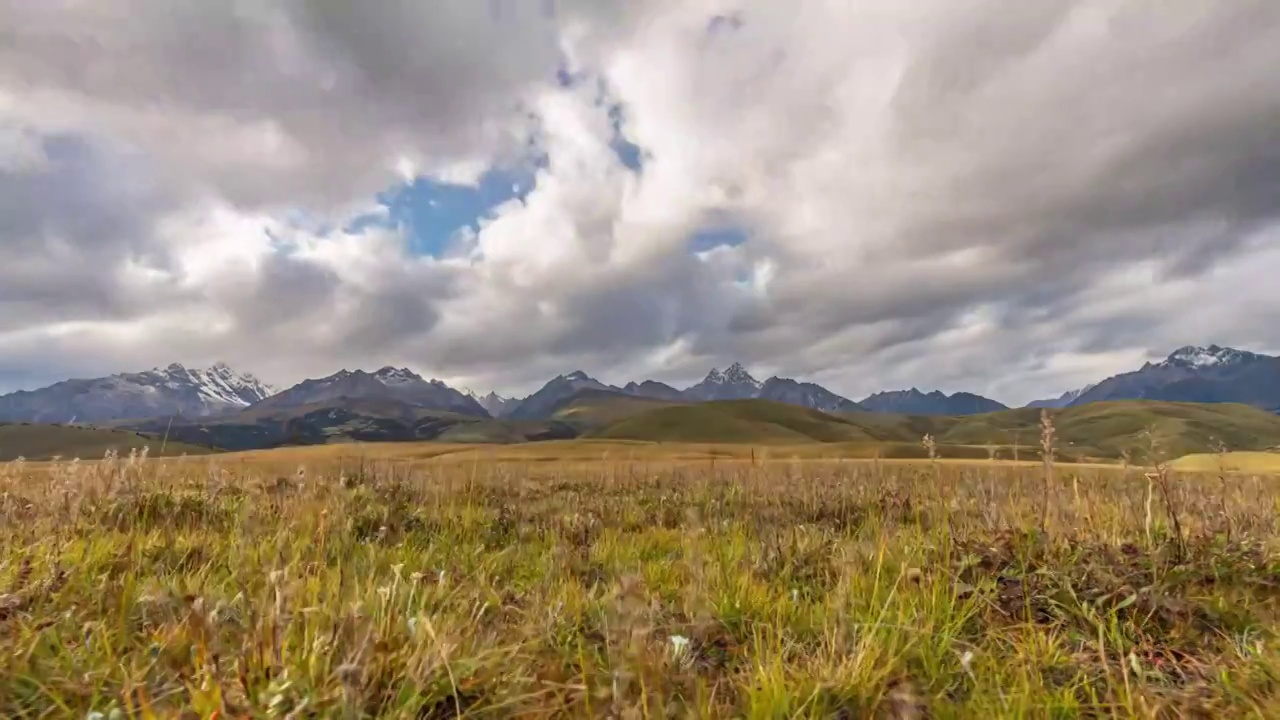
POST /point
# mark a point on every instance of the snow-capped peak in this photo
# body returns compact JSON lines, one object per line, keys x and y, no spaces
{"x":1194,"y":356}
{"x":216,"y":385}
{"x":577,"y":376}
{"x":735,"y":374}
{"x":397,"y":376}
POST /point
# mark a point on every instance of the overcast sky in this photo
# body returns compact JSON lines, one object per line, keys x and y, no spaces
{"x":1011,"y":198}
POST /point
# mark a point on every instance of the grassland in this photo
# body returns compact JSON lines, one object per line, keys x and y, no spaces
{"x":1107,"y":430}
{"x":1247,"y":462}
{"x":44,"y":442}
{"x":620,"y":580}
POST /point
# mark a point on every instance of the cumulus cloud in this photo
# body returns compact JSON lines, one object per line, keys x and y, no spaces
{"x":1010,"y":198}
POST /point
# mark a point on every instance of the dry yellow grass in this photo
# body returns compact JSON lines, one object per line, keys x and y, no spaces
{"x":1236,"y":462}
{"x":613,"y":579}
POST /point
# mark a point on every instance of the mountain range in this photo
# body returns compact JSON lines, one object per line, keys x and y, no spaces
{"x":173,"y":390}
{"x":195,"y":396}
{"x":1202,"y":374}
{"x":914,"y":402}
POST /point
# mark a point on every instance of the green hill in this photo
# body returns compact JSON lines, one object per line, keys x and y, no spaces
{"x":44,"y":442}
{"x":594,"y":408}
{"x":1107,"y":429}
{"x":1097,"y":430}
{"x":734,"y":421}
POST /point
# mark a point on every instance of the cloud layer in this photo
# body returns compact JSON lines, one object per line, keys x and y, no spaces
{"x":1009,"y":198}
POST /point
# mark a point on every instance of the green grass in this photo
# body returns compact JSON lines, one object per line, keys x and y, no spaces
{"x":1097,"y":430}
{"x":43,"y":442}
{"x":593,"y":408}
{"x":735,"y":421}
{"x":1108,"y":429}
{"x":447,"y":586}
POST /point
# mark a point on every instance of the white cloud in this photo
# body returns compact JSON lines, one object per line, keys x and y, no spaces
{"x":1003,"y":197}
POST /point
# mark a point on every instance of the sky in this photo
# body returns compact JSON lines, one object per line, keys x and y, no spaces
{"x":997,"y":196}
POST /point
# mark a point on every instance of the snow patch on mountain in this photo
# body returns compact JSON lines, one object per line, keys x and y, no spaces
{"x":1197,"y":357}
{"x":217,"y":385}
{"x":391,"y":377}
{"x":496,"y":405}
{"x":172,"y":390}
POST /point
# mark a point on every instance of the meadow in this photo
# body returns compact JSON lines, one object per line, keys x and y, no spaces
{"x":597,"y":579}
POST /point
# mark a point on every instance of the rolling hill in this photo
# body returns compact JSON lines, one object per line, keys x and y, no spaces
{"x":734,"y":421}
{"x":1098,"y":430}
{"x":44,"y":442}
{"x":593,"y":408}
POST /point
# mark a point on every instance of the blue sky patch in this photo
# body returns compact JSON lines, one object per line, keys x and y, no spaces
{"x":718,"y":235}
{"x":431,"y":212}
{"x":628,"y":153}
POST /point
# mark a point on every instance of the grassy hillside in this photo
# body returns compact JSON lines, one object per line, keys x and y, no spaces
{"x":1098,"y":430}
{"x":594,"y":408}
{"x":42,"y":442}
{"x":1107,"y":429}
{"x":735,"y":421}
{"x":1095,"y":431}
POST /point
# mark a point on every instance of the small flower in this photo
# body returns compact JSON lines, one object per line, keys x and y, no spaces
{"x":679,"y":644}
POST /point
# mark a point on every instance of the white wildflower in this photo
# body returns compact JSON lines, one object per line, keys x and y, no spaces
{"x":679,"y":645}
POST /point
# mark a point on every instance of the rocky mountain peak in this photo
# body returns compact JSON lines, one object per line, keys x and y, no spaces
{"x":1196,"y":357}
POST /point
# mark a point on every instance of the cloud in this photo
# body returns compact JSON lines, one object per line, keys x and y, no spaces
{"x":1002,"y":197}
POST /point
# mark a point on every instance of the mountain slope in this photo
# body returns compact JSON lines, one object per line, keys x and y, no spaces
{"x":653,"y":389}
{"x":345,"y":419}
{"x":395,"y":384}
{"x":542,"y":404}
{"x":1062,"y":400}
{"x":174,"y":390}
{"x":810,"y":395}
{"x":1211,"y":374}
{"x":734,"y":383}
{"x":496,"y":405}
{"x":914,"y":402}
